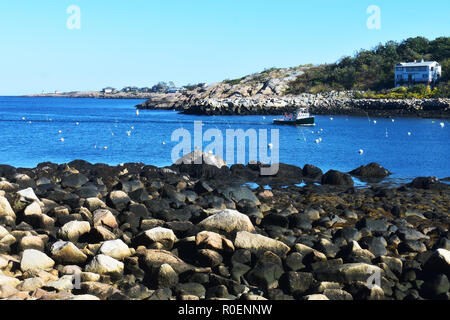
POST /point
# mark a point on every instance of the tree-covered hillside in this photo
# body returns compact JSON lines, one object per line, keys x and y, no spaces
{"x":374,"y":69}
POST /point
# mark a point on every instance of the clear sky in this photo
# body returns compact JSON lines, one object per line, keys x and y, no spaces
{"x":141,"y":42}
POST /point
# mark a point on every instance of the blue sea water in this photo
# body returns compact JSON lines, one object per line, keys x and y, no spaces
{"x":31,"y":130}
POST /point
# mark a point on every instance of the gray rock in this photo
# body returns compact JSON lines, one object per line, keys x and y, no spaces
{"x":116,"y":249}
{"x":119,"y":200}
{"x":34,"y":259}
{"x":439,"y":262}
{"x":259,"y":244}
{"x":296,"y":283}
{"x":199,"y":157}
{"x":238,"y":193}
{"x":190,"y":288}
{"x":104,"y":217}
{"x":156,"y":238}
{"x":72,"y":230}
{"x":67,"y":253}
{"x":5,"y":208}
{"x":227,"y":221}
{"x":266,"y":272}
{"x":103,"y":264}
{"x":75,"y":180}
{"x":337,"y":294}
{"x":348,"y":273}
{"x":166,"y":277}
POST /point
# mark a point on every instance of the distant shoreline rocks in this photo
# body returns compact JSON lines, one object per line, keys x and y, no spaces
{"x":334,"y":103}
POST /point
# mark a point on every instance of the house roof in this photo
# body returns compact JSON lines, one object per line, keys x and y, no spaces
{"x":416,"y":64}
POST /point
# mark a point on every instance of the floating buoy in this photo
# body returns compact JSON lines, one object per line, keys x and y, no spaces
{"x":270,"y":146}
{"x":77,"y":123}
{"x":409,"y":133}
{"x":320,"y":139}
{"x":62,"y":139}
{"x":23,"y":118}
{"x":29,"y":122}
{"x":59,"y":131}
{"x":264,"y":118}
{"x":128,"y":133}
{"x":95,"y":146}
{"x":393,"y":120}
{"x":331,"y":118}
{"x":442,"y":124}
{"x":360,"y":151}
{"x":317,"y":140}
{"x":132,"y":128}
{"x":374,"y":121}
{"x":105,"y":147}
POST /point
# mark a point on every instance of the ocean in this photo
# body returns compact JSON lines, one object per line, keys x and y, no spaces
{"x":35,"y":130}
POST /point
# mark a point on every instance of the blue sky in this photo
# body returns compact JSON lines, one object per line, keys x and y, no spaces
{"x":141,"y":42}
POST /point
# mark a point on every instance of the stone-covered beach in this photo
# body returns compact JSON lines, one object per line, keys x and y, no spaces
{"x":207,"y":231}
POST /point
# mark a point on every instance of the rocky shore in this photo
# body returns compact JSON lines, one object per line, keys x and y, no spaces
{"x":333,"y":103}
{"x":83,"y":231}
{"x":95,"y":95}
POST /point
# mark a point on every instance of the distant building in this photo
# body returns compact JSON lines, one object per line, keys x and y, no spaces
{"x":109,"y":90}
{"x":412,"y":73}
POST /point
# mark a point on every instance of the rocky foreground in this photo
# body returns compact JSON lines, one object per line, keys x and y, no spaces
{"x":83,"y":231}
{"x":264,"y":94}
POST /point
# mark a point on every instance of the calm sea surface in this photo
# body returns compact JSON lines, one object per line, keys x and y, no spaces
{"x":32,"y":130}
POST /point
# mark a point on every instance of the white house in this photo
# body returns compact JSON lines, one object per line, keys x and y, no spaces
{"x":411,"y":73}
{"x":109,"y":90}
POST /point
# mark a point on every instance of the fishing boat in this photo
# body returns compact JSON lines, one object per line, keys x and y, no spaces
{"x":301,"y":118}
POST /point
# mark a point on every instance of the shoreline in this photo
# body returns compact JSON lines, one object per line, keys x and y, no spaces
{"x":319,"y":104}
{"x":194,"y":231}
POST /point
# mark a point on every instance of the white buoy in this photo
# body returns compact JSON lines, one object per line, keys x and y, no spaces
{"x":95,"y":146}
{"x":29,"y":122}
{"x":374,"y":121}
{"x":270,"y":146}
{"x":320,"y":139}
{"x":132,"y":128}
{"x":317,"y":140}
{"x":77,"y":123}
{"x":23,"y":118}
{"x":409,"y":133}
{"x":128,"y":133}
{"x":163,"y":143}
{"x":264,"y":118}
{"x":59,"y":131}
{"x":105,"y":147}
{"x":360,"y":151}
{"x":393,"y":120}
{"x":62,"y":139}
{"x":331,"y":119}
{"x":442,"y":124}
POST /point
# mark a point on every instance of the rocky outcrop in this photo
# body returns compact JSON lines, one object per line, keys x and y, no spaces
{"x":223,"y":99}
{"x":158,"y":233}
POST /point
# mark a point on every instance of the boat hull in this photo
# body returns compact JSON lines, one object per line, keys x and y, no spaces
{"x":298,"y":122}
